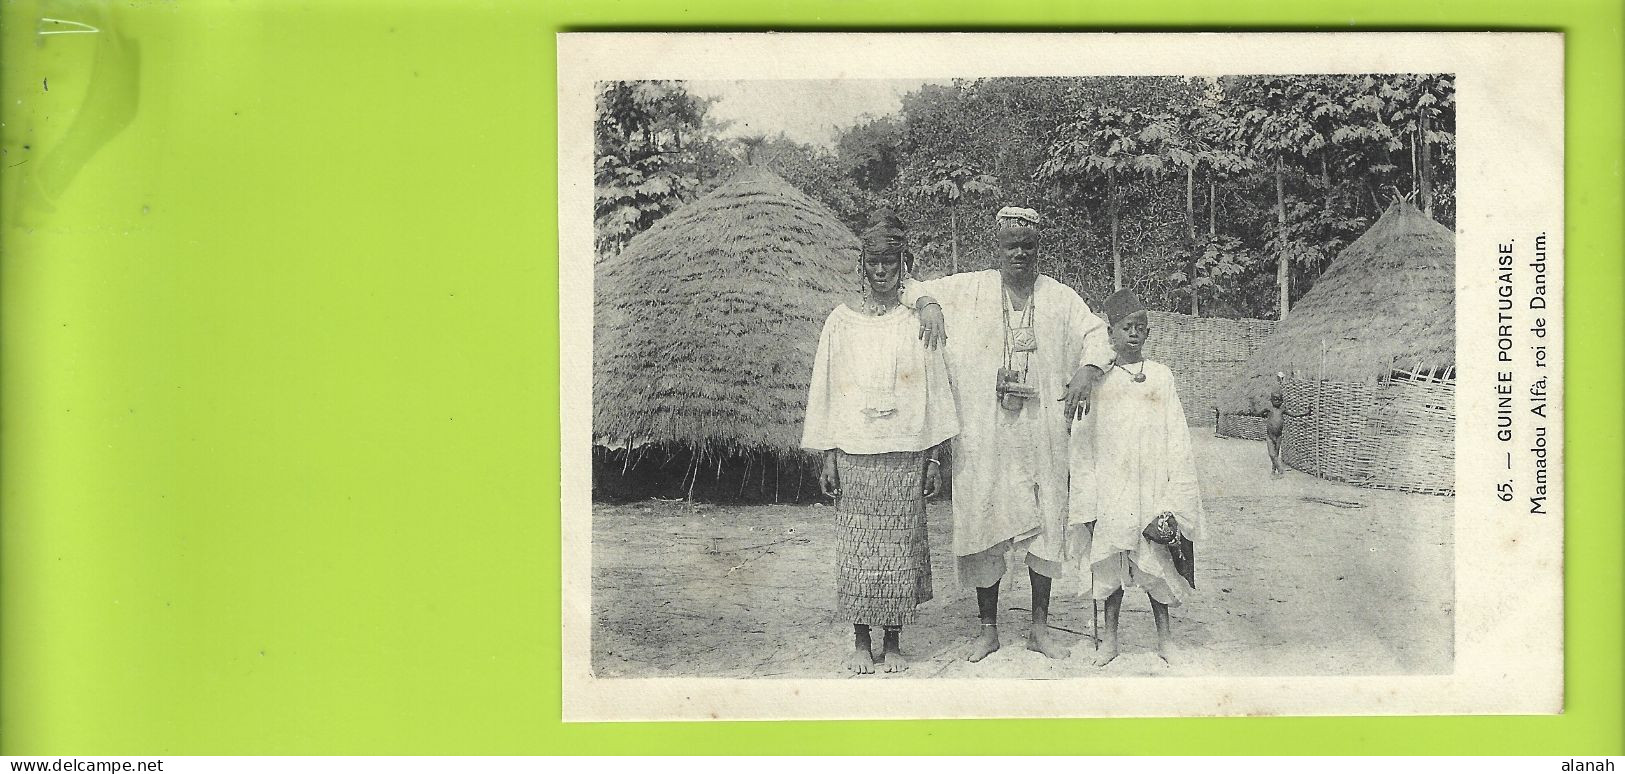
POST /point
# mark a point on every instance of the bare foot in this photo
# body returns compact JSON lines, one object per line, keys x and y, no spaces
{"x":1108,"y":651}
{"x":1042,"y":640}
{"x":1169,"y":652}
{"x":984,"y":644}
{"x":861,"y":661}
{"x":895,"y":661}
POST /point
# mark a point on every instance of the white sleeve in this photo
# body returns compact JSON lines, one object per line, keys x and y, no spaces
{"x":817,"y":430}
{"x":1182,"y":495}
{"x":943,"y":289}
{"x":1097,"y":346}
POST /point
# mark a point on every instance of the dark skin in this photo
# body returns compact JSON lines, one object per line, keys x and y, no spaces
{"x":862,"y":660}
{"x":1274,"y":423}
{"x":1018,"y":267}
{"x":882,"y":274}
{"x":1128,"y":339}
{"x":1038,"y":637}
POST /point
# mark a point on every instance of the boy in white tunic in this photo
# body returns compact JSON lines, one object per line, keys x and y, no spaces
{"x":1134,"y":479}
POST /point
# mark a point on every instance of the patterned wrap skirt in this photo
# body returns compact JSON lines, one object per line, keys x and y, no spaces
{"x":883,"y":555}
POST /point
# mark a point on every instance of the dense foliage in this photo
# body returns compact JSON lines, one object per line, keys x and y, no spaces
{"x":1218,"y":196}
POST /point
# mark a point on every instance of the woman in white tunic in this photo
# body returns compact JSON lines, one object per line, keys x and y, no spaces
{"x":1132,"y":465}
{"x":878,"y":407}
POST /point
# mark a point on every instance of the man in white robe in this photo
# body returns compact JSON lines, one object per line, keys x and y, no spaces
{"x":1025,"y":351}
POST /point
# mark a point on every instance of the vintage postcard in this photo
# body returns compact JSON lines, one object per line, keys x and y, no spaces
{"x":1061,"y":375}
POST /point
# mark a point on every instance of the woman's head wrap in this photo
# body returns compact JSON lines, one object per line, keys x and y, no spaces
{"x":885,"y":234}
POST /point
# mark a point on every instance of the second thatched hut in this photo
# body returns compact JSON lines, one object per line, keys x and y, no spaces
{"x":705,"y":328}
{"x":1372,"y":349}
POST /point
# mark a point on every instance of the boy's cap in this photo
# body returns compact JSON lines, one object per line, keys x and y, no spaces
{"x":1122,"y":304}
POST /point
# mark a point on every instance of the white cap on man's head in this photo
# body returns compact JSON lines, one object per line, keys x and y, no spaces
{"x":1017,"y":216}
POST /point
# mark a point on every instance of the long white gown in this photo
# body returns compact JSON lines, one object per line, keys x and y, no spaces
{"x":1132,"y":460}
{"x":1001,"y":456}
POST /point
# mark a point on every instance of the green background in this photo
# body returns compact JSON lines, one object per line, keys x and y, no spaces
{"x":279,"y":430}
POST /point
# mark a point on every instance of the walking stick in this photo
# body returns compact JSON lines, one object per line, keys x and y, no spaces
{"x":1094,"y":604}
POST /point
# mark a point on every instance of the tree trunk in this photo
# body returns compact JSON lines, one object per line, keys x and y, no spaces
{"x":1410,"y":142}
{"x":953,"y":229}
{"x":1425,"y":177}
{"x":1281,"y":272}
{"x":1212,"y":206}
{"x":1117,"y":258}
{"x":1190,"y":234}
{"x":1326,"y":183}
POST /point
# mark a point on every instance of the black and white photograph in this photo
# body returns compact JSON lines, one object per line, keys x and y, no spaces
{"x":1135,"y":384}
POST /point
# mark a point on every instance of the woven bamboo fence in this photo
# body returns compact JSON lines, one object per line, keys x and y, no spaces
{"x":1240,"y":426}
{"x":1397,"y":433}
{"x":1206,"y":354}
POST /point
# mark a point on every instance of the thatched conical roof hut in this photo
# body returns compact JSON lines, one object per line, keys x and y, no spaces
{"x":1387,"y":304}
{"x":1371,"y":348}
{"x":705,"y":326}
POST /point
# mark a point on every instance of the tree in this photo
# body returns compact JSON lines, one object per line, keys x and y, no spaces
{"x":1275,"y":125}
{"x":1228,"y":195}
{"x":998,"y":127}
{"x":1105,"y":141}
{"x":1422,"y":108}
{"x":649,"y":141}
{"x":1171,"y":139}
{"x":1409,"y":115}
{"x":814,"y":171}
{"x":870,"y":153}
{"x":1209,"y":125}
{"x":946,"y":182}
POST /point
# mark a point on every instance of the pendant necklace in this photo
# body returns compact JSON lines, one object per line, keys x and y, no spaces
{"x":1138,"y":377}
{"x":1019,"y":338}
{"x":875,"y":308}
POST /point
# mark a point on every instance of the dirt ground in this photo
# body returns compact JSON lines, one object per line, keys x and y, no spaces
{"x":1286,"y":586}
